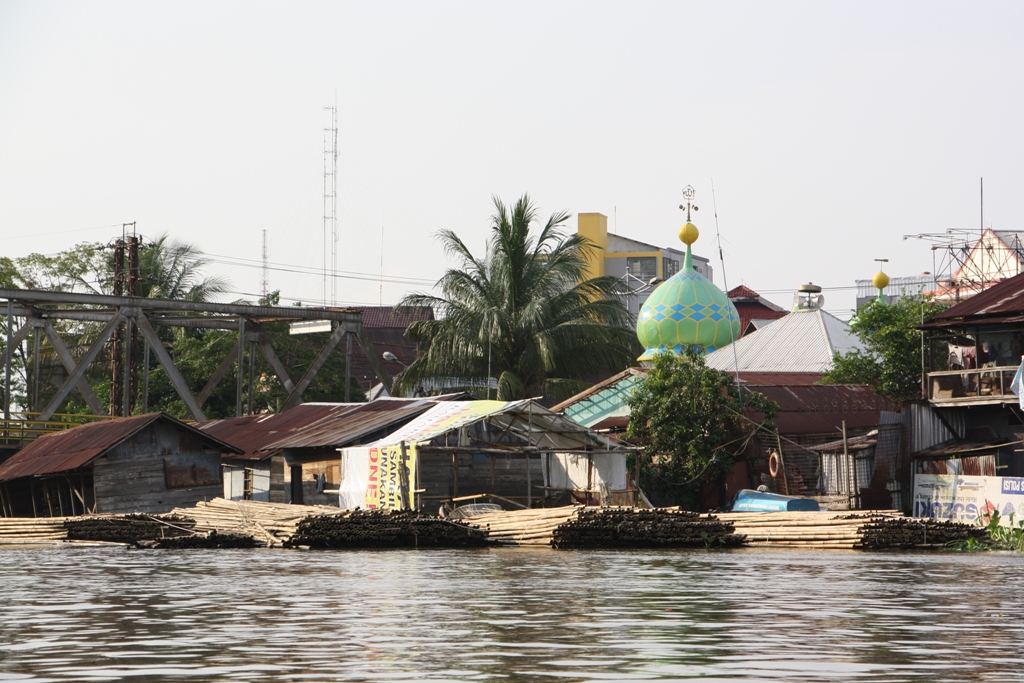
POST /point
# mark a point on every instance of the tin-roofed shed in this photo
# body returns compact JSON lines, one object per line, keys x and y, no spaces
{"x":147,"y":463}
{"x":517,"y":451}
{"x":292,"y":456}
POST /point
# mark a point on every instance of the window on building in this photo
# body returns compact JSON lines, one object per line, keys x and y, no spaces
{"x":642,"y":267}
{"x":669,"y":267}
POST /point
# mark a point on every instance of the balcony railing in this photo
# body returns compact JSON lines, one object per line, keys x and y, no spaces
{"x":984,"y":385}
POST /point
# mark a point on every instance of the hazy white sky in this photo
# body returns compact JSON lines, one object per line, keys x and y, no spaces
{"x":831,"y":129}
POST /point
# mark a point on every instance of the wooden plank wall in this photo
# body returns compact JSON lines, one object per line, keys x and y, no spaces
{"x":133,"y":475}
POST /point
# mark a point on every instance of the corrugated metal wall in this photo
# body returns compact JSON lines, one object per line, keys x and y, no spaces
{"x":924,"y":429}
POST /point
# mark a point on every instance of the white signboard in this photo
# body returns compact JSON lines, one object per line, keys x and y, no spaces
{"x":964,"y":498}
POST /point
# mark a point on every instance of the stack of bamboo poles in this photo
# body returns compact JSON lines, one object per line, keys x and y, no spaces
{"x":272,"y":523}
{"x":31,"y":530}
{"x":838,"y":529}
{"x":525,"y":527}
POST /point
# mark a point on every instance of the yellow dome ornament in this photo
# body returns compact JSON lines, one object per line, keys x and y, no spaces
{"x":688,"y":233}
{"x":880,"y":280}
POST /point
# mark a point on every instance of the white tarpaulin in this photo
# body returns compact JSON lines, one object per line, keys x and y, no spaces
{"x":369,"y":473}
{"x":355,"y":473}
{"x":570,"y":471}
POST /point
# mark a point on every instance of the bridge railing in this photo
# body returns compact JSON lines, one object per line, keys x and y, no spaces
{"x":23,"y":428}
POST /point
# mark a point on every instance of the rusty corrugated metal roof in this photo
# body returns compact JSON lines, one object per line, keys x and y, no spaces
{"x":782,"y":379}
{"x":316,"y":425}
{"x":955,"y":448}
{"x":822,"y":408}
{"x":73,"y":448}
{"x":995,"y":304}
{"x":394,"y":316}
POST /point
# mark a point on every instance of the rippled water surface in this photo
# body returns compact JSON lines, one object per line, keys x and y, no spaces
{"x":91,"y":614}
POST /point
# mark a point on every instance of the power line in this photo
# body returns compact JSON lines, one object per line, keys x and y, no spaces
{"x":305,"y":270}
{"x":61,"y":232}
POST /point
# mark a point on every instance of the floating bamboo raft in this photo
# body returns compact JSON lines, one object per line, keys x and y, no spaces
{"x":31,"y":530}
{"x":612,"y":527}
{"x":386,"y":529}
{"x":843,"y":529}
{"x":130,"y":528}
{"x":224,"y":523}
{"x":535,"y":527}
{"x":272,"y":523}
{"x":643,"y":528}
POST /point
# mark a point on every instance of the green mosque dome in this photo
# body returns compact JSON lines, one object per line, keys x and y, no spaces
{"x":686,"y":310}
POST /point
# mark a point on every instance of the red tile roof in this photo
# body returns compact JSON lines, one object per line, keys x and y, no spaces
{"x":752,"y":306}
{"x":742,"y":292}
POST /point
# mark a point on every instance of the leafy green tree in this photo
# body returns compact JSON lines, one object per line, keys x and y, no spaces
{"x":82,"y":268}
{"x":523,"y":313}
{"x":689,"y":419}
{"x":890,"y":362}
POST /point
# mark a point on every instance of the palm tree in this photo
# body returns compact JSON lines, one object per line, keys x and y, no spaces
{"x":171,"y":270}
{"x":523,"y":313}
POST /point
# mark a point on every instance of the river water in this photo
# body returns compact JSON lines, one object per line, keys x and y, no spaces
{"x":101,"y":614}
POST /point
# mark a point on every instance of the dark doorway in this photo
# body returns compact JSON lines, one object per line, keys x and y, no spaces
{"x":297,"y":484}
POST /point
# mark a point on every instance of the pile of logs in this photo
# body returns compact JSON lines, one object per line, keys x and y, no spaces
{"x":908,"y":533}
{"x":837,"y":530}
{"x":524,"y":527}
{"x":222,"y":523}
{"x":643,"y":528}
{"x":869,"y":529}
{"x":272,"y":523}
{"x":26,"y":530}
{"x":385,"y":529}
{"x":128,"y":528}
{"x":210,"y":540}
{"x":828,"y":529}
{"x":579,"y":527}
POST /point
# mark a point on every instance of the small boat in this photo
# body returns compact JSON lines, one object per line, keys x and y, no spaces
{"x":474,"y":510}
{"x":748,"y":500}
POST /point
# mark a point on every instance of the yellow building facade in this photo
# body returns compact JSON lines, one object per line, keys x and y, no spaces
{"x":638,"y":265}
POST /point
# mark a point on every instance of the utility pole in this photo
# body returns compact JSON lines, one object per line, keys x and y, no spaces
{"x":131,"y":357}
{"x":123,"y":359}
{"x":117,"y":338}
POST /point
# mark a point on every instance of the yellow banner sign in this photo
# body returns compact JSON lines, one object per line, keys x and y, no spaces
{"x":392,"y":478}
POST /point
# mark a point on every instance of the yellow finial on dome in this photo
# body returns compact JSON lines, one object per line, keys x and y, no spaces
{"x":880,"y":280}
{"x":688,"y":233}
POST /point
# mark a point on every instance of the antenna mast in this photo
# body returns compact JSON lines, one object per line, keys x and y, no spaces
{"x":725,"y":284}
{"x":331,"y":200}
{"x":265,"y":280}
